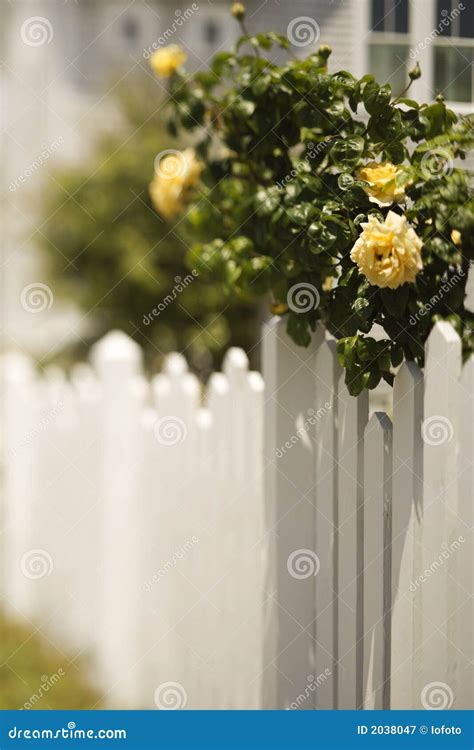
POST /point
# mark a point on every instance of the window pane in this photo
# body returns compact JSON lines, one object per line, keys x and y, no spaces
{"x":453,"y":73}
{"x":401,"y":17}
{"x":443,"y":10}
{"x":466,"y":21}
{"x":378,"y":13}
{"x":388,"y":63}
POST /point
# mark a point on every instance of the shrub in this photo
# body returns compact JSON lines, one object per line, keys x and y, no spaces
{"x":341,"y":202}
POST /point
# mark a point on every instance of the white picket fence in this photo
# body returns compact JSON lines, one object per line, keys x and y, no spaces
{"x":241,"y":547}
{"x":371,"y":532}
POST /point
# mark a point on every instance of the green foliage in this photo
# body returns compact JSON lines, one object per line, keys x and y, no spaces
{"x":111,"y":253}
{"x":28,"y":662}
{"x":283,"y":145}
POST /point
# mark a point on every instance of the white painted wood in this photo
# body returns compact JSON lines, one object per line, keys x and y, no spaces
{"x":352,"y":420}
{"x":233,"y":523}
{"x":290,"y":519}
{"x":118,"y":362}
{"x":439,"y":431}
{"x":377,"y":577}
{"x":406,"y":516}
{"x":255,"y":541}
{"x":22,"y":563}
{"x":167,"y":565}
{"x":324,"y":419}
{"x":84,"y":532}
{"x":462,"y":557}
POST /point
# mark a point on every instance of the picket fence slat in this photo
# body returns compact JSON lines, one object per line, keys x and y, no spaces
{"x":352,"y":420}
{"x":327,"y":372}
{"x":439,"y":428}
{"x":290,"y":479}
{"x":377,"y":581}
{"x":406,"y":513}
{"x":464,"y":552}
{"x":255,"y":543}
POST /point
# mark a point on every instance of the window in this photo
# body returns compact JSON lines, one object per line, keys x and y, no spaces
{"x":453,"y":50}
{"x":389,"y":44}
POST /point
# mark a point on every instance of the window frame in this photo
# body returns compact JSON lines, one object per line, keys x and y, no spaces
{"x":412,"y":38}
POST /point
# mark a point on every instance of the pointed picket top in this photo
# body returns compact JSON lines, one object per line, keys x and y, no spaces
{"x":378,"y":421}
{"x":408,"y":377}
{"x":116,"y":346}
{"x":255,"y":382}
{"x":235,"y":365}
{"x":327,"y":366}
{"x":175,"y":365}
{"x":378,"y":432}
{"x":442,"y":342}
{"x":218,"y":385}
{"x":15,"y":366}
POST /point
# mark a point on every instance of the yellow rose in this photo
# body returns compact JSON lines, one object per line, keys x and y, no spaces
{"x":456,"y":236}
{"x":176,"y":173}
{"x":382,"y":177}
{"x":167,"y":60}
{"x":388,"y":253}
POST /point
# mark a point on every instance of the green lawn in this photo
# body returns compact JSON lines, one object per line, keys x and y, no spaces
{"x":34,"y":674}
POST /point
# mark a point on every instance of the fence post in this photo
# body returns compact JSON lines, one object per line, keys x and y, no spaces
{"x":377,"y":577}
{"x":439,"y":432}
{"x":406,"y":553}
{"x":289,"y":489}
{"x":352,"y":420}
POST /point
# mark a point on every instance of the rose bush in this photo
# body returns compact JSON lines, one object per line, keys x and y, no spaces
{"x":343,"y":203}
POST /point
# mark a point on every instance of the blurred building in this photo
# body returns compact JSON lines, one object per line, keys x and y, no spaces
{"x":61,"y":61}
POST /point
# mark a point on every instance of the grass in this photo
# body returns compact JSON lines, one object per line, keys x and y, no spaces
{"x":34,"y":674}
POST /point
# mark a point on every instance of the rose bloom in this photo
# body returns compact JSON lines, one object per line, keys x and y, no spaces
{"x":382,"y":177}
{"x":456,"y":236}
{"x":167,"y":60}
{"x":388,"y":253}
{"x":175,"y":175}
